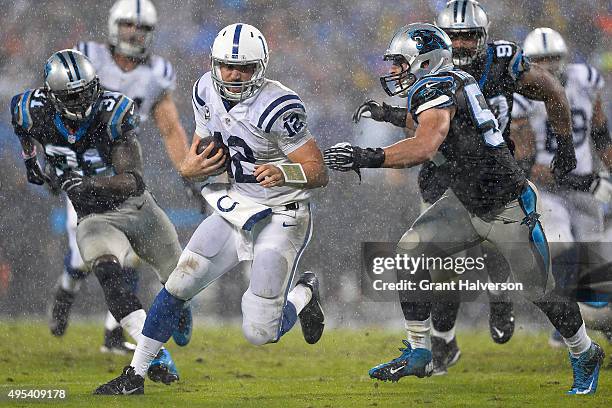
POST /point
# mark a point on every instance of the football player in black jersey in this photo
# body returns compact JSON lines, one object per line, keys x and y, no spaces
{"x":126,"y":64}
{"x":499,"y":206}
{"x":93,"y":155}
{"x":500,"y":70}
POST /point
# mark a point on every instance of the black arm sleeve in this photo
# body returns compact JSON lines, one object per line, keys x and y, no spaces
{"x":396,"y":115}
{"x":577,"y":183}
{"x":601,"y":137}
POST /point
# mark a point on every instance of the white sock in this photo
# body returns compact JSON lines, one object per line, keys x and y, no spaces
{"x":579,"y":342}
{"x":418,"y":333}
{"x":110,"y":323}
{"x":69,"y":284}
{"x":300,"y":296}
{"x":448,"y":336}
{"x":145,"y":352}
{"x":133,"y":324}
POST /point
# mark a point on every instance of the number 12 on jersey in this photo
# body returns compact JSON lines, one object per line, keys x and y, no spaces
{"x":241,"y":153}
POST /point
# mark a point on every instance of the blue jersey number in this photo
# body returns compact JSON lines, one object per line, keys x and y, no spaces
{"x":243,"y":153}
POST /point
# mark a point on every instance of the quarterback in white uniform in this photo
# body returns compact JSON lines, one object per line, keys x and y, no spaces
{"x":573,"y":212}
{"x":125,"y":65}
{"x":262,"y":216}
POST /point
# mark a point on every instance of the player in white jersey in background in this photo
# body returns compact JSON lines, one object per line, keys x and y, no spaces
{"x":262,"y":216}
{"x":572,"y":212}
{"x":125,"y":65}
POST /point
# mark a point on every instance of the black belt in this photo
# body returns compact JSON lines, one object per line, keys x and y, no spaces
{"x":292,"y":206}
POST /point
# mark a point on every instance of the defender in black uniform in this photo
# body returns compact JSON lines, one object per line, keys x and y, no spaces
{"x":500,"y":69}
{"x":92,"y":154}
{"x":499,"y":205}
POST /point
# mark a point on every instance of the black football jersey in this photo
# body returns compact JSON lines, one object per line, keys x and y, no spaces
{"x":497,"y":73}
{"x":481,"y":169}
{"x":84,"y":147}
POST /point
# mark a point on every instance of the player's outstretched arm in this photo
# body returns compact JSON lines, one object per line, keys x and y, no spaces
{"x":308,"y":156}
{"x":430,"y":133}
{"x":539,"y":84}
{"x":434,"y":124}
{"x":167,"y":120}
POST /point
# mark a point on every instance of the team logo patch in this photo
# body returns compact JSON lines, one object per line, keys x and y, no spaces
{"x":206,"y":112}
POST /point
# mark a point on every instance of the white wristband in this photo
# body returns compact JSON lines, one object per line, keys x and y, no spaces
{"x":293,"y":173}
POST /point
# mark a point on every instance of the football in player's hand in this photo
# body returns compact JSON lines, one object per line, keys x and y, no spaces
{"x":218,"y":144}
{"x":205,"y":141}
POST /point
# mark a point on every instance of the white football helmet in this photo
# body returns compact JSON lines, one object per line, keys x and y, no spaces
{"x":239,"y":44}
{"x":134,"y":42}
{"x":544,"y":42}
{"x":546,"y":47}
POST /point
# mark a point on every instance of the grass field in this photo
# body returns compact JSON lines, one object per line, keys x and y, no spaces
{"x":220,"y":369}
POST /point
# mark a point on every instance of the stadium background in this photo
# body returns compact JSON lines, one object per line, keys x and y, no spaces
{"x":329,"y":52}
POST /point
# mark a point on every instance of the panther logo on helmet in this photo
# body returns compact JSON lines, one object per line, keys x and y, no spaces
{"x":426,"y":41}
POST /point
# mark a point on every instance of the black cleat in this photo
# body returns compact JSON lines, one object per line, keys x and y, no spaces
{"x":128,"y":383}
{"x":444,"y":354}
{"x":61,"y":311}
{"x":311,"y":317}
{"x":114,"y":342}
{"x":501,"y":321}
{"x":162,"y":368}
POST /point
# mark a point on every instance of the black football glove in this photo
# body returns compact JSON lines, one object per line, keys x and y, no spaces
{"x":381,"y":113}
{"x":54,"y":181}
{"x":34,"y":173}
{"x":74,"y":185}
{"x":565,"y":158}
{"x":345,"y":157}
{"x":369,"y":109}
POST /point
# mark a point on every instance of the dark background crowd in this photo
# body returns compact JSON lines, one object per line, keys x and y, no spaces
{"x":329,"y":52}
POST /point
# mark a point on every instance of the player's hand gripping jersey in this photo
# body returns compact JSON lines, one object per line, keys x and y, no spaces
{"x":481,"y":170}
{"x":86,"y":149}
{"x":497,"y":74}
{"x":262,"y":129}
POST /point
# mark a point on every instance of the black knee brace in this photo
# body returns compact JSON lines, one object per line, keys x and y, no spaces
{"x":444,"y":315}
{"x":564,"y":314}
{"x":414,"y":307}
{"x":416,"y":310}
{"x":120,"y":299}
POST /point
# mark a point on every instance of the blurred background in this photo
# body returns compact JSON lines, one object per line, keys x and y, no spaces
{"x":330,"y":53}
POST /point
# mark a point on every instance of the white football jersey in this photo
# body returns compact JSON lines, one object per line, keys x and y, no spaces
{"x":145,"y":84}
{"x":582,"y":86}
{"x":262,"y":129}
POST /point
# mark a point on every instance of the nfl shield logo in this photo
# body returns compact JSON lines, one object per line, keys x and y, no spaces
{"x":71,"y":138}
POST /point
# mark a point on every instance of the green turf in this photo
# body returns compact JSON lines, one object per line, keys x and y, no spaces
{"x":220,"y":369}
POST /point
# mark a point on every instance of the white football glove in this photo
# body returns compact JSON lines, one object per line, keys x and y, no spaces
{"x":340,"y":157}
